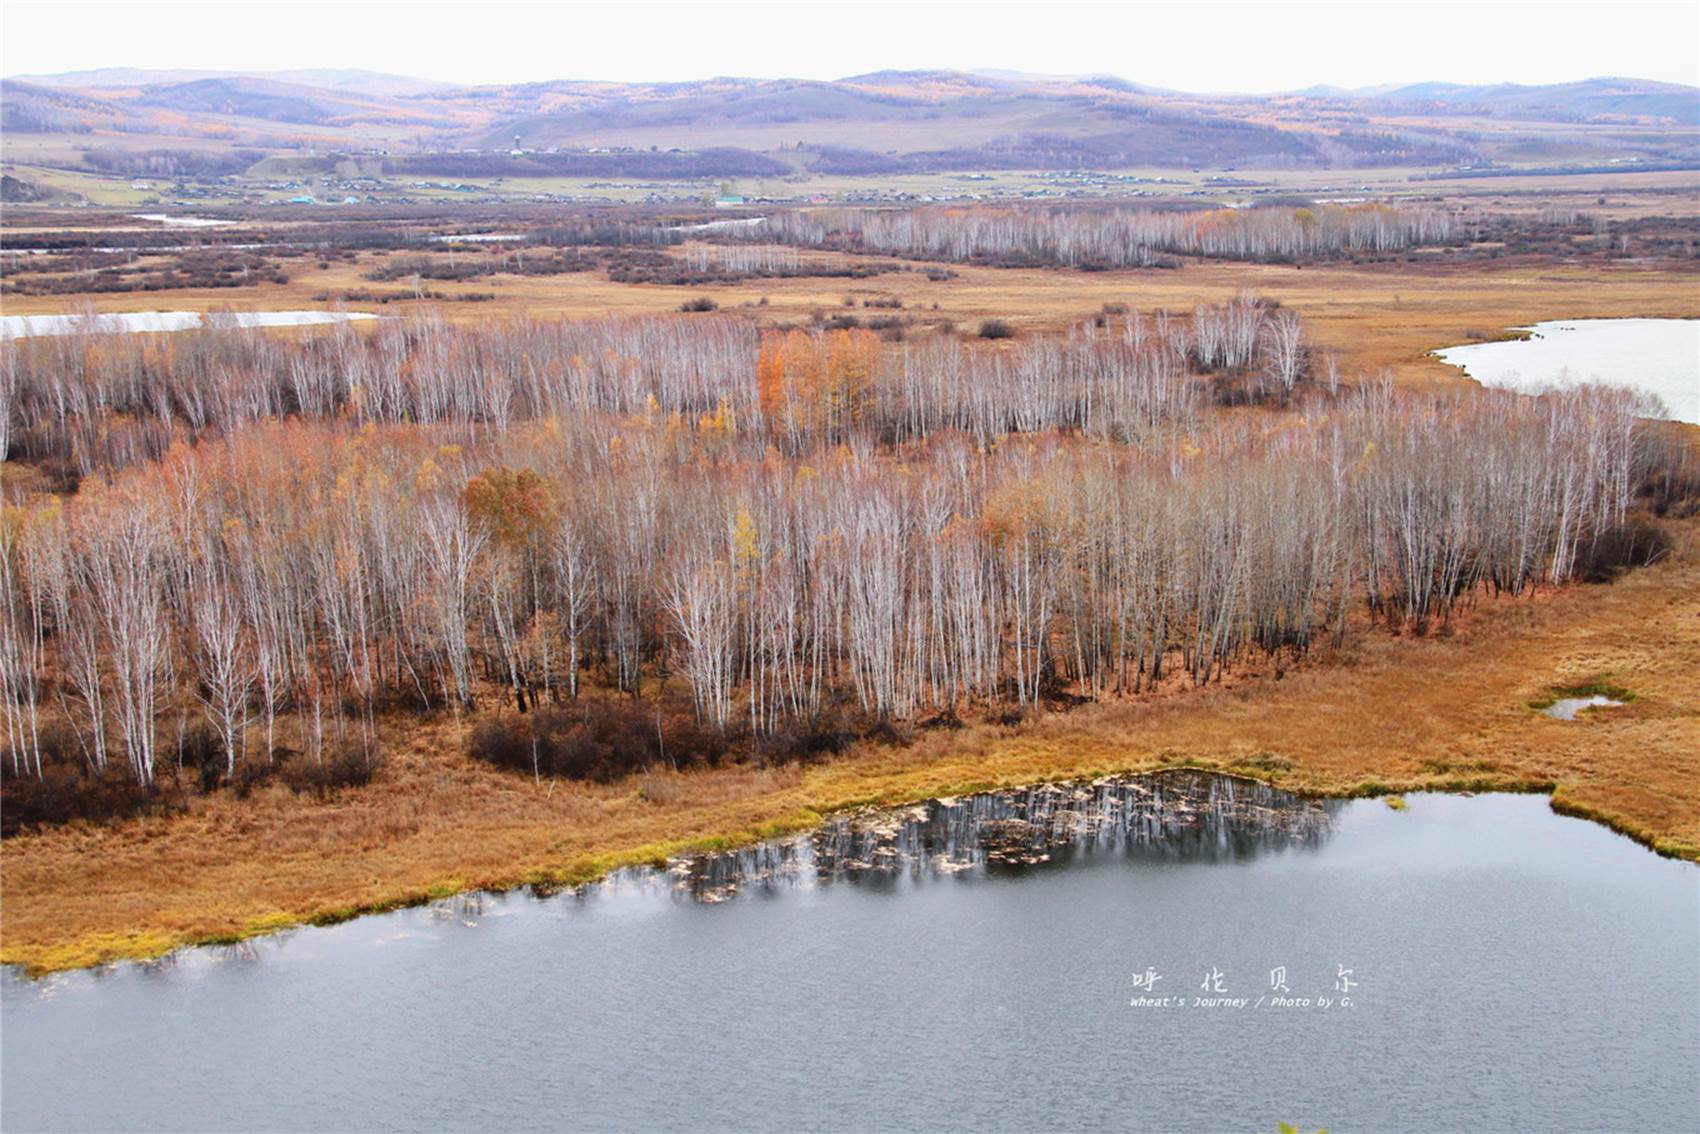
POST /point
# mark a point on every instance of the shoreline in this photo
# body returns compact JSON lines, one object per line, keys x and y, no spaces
{"x":99,"y":951}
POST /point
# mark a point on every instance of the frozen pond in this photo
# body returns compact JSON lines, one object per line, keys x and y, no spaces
{"x":27,"y":326}
{"x":476,"y":237}
{"x":1192,"y":954}
{"x":720,"y":225}
{"x":183,"y":221}
{"x":1566,"y":708}
{"x":1658,"y":356}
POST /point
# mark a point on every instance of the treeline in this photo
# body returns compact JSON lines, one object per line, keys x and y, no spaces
{"x":788,"y":527}
{"x":612,"y":234}
{"x":169,"y":163}
{"x":699,"y":266}
{"x":98,"y":272}
{"x":1110,"y":238}
{"x":80,"y":404}
{"x":714,"y":161}
{"x":322,"y":573}
{"x":518,"y":262}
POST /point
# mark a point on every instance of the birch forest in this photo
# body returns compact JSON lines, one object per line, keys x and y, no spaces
{"x":286,"y":540}
{"x":1116,"y":237}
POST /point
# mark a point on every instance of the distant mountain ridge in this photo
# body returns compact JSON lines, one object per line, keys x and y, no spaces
{"x":345,"y":79}
{"x":872,"y":123}
{"x":1583,"y":100}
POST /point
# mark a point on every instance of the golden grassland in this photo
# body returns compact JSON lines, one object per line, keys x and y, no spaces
{"x":1386,"y":715}
{"x":1372,"y":317}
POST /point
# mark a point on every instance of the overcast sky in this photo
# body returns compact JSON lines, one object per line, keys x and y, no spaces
{"x":1193,"y":46}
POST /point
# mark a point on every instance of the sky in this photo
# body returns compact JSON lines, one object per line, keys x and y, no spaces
{"x":1203,"y":45}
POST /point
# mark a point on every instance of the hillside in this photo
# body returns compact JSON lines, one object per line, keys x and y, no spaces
{"x":879,"y":123}
{"x":1593,"y":100}
{"x":351,"y":80}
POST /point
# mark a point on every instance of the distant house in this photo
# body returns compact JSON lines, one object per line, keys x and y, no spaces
{"x":728,"y":202}
{"x":304,"y":199}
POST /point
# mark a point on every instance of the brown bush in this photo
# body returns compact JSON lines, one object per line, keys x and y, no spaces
{"x":1637,"y":542}
{"x":67,"y":791}
{"x":345,"y":767}
{"x":597,"y":740}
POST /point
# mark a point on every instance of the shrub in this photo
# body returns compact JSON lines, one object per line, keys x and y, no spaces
{"x":68,"y":791}
{"x":251,"y":774}
{"x":347,"y":766}
{"x":1637,"y":542}
{"x":1669,"y":476}
{"x":201,"y":751}
{"x":700,"y":303}
{"x":890,"y":327}
{"x":604,"y":740}
{"x":597,"y":740}
{"x":810,"y":738}
{"x":996,"y":329}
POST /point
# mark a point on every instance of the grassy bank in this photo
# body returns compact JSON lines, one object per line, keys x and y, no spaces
{"x":1385,"y":716}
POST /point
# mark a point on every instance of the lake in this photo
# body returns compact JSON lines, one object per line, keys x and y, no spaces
{"x":182,"y":221}
{"x":991,"y":963}
{"x":26,"y":326}
{"x":1658,"y":356}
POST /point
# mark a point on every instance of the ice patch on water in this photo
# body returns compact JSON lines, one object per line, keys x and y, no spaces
{"x":1656,"y":356}
{"x":27,"y":326}
{"x":183,"y":222}
{"x":1566,"y":708}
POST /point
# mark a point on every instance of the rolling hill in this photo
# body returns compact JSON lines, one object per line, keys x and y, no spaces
{"x":348,"y":80}
{"x":882,"y":122}
{"x":1592,"y":100}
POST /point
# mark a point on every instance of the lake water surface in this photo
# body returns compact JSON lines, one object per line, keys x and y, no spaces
{"x":1659,"y":356}
{"x":182,"y":221}
{"x":25,"y":326}
{"x":1486,"y":965}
